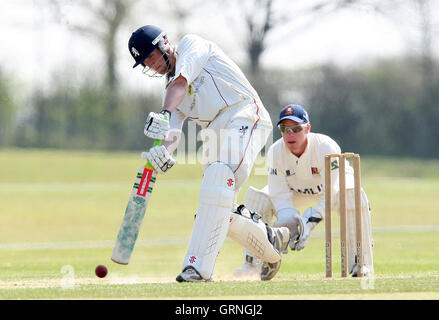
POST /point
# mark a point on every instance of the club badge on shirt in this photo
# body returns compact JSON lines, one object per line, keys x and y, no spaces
{"x":314,"y":170}
{"x":190,"y":90}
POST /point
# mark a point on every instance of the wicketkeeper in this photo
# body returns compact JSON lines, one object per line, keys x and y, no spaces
{"x":296,"y":178}
{"x":203,"y":84}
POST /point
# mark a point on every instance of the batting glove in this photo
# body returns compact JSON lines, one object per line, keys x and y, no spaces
{"x":159,"y":158}
{"x":157,"y":125}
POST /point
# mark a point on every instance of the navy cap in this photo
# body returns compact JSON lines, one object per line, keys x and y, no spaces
{"x":294,"y":112}
{"x":143,"y":41}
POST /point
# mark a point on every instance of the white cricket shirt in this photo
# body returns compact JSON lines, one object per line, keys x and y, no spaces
{"x":289,"y":175}
{"x":214,"y":80}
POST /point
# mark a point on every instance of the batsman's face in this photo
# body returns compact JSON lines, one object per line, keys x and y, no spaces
{"x":296,"y":142}
{"x":156,"y":62}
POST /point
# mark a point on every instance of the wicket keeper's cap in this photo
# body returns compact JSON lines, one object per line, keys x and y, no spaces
{"x":294,"y":112}
{"x":143,"y":41}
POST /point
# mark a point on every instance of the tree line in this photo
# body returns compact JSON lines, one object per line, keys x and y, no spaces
{"x":380,"y":108}
{"x":386,"y":107}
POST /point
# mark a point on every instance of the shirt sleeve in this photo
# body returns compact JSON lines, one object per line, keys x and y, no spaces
{"x":278,"y":189}
{"x":193,"y":53}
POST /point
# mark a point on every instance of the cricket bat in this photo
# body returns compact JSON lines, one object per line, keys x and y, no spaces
{"x":134,"y":213}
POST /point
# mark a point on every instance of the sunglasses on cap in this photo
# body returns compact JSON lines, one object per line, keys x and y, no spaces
{"x":293,"y":129}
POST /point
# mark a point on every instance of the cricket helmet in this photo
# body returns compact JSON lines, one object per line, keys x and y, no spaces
{"x":144,"y":40}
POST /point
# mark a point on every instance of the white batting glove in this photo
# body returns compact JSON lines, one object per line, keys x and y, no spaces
{"x":310,"y":219}
{"x":159,"y":158}
{"x":157,"y":125}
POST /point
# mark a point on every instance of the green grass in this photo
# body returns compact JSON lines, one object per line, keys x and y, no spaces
{"x":62,"y":209}
{"x":276,"y":289}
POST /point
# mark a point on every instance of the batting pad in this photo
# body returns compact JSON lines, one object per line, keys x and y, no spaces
{"x":366,"y":230}
{"x":252,"y":235}
{"x":258,"y":201}
{"x":217,"y":193}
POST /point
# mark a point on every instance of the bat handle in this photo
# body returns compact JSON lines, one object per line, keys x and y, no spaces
{"x":157,"y":142}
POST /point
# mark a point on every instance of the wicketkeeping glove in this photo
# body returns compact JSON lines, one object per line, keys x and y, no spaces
{"x":310,"y":218}
{"x":157,"y":125}
{"x":159,"y":158}
{"x":290,"y":218}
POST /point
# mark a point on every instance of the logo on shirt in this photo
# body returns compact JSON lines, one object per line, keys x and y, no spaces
{"x":190,"y":90}
{"x":310,"y":191}
{"x":243,"y":130}
{"x":314,"y":170}
{"x":289,"y":173}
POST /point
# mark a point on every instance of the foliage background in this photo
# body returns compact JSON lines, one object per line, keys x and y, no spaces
{"x":386,"y":105}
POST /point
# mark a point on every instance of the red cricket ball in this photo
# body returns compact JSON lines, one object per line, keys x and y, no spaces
{"x":101,"y":271}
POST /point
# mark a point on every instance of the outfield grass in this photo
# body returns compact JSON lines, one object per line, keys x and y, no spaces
{"x":60,"y":212}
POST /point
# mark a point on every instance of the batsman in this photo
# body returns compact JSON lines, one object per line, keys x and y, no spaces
{"x":296,"y":178}
{"x":204,"y":85}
